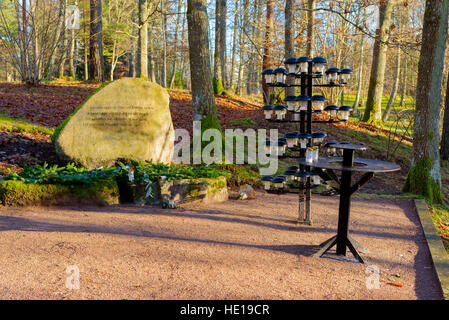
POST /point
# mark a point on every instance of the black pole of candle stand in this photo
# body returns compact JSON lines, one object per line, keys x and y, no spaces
{"x":309,"y":130}
{"x":345,"y":203}
{"x":302,"y":202}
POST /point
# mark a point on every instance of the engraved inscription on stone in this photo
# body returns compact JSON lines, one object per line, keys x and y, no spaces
{"x":115,"y":118}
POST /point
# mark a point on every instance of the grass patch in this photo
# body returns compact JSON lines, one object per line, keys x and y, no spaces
{"x":12,"y":125}
{"x":440,"y":216}
{"x":390,"y":124}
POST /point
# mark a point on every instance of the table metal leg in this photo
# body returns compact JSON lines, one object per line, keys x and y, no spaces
{"x":328,"y":240}
{"x":326,"y":247}
{"x":357,"y":245}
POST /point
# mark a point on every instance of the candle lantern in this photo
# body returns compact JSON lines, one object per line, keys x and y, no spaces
{"x":344,"y":112}
{"x":316,"y":180}
{"x":318,"y":102}
{"x":268,"y":74}
{"x":291,"y":102}
{"x":302,"y":177}
{"x":332,"y":75}
{"x":267,"y":147}
{"x":332,"y":110}
{"x":280,"y":111}
{"x":310,"y":157}
{"x":291,"y":65}
{"x":303,"y":65}
{"x":279,"y":182}
{"x":319,"y":64}
{"x":292,"y":139}
{"x":267,"y":180}
{"x":280,"y":146}
{"x":315,"y":153}
{"x":318,"y":137}
{"x":345,"y":75}
{"x":281,"y":75}
{"x":330,"y":150}
{"x":304,"y":139}
{"x":268,"y":111}
{"x":301,"y":103}
{"x":290,"y":175}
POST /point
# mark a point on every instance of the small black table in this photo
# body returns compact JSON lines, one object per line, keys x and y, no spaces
{"x":347,"y":165}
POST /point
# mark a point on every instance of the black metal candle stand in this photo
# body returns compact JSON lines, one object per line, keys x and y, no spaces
{"x":304,"y":126}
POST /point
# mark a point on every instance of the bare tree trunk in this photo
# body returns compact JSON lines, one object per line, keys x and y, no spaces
{"x":242,"y":54}
{"x":424,"y":176}
{"x":404,"y":83}
{"x":164,"y":44}
{"x":178,"y":20}
{"x":151,"y":70}
{"x":310,"y":22}
{"x":133,"y":56}
{"x":72,"y":54}
{"x":445,"y":134}
{"x":360,"y":78}
{"x":266,"y":60}
{"x":63,"y":49}
{"x":394,"y":90}
{"x":86,"y":45}
{"x":203,"y":98}
{"x":234,"y":44}
{"x":289,"y":33}
{"x":142,"y":52}
{"x":96,"y":62}
{"x":223,"y":13}
{"x":220,"y":46}
{"x":373,"y":110}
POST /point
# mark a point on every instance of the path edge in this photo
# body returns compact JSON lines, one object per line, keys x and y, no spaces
{"x":438,"y":253}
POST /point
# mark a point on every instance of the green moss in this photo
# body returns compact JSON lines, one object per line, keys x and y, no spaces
{"x":59,"y":129}
{"x":243,"y":123}
{"x":210,"y":122}
{"x":18,"y":193}
{"x":240,"y":175}
{"x":219,"y":88}
{"x":13,"y":125}
{"x":420,"y":182}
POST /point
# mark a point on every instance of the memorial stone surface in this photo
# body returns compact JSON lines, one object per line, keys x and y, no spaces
{"x":127,"y":119}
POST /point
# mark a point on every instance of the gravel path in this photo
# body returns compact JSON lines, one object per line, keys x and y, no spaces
{"x":234,"y":250}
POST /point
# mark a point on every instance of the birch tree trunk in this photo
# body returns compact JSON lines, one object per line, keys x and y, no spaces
{"x":203,"y":98}
{"x":96,"y":62}
{"x":373,"y":110}
{"x":424,"y":176}
{"x":394,"y":90}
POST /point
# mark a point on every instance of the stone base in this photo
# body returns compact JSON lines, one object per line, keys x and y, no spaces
{"x":205,"y":190}
{"x":17,"y":193}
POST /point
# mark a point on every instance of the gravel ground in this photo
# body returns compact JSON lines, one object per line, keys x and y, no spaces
{"x":234,"y":250}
